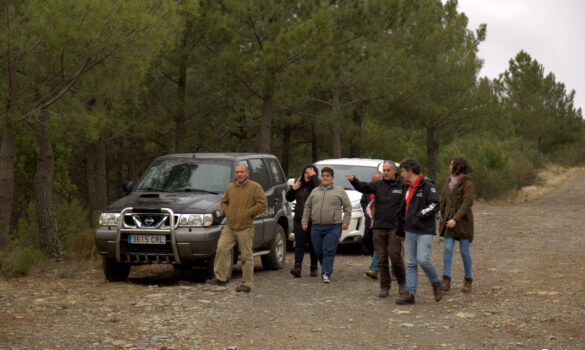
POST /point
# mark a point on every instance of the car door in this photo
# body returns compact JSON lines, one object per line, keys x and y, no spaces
{"x":258,"y":174}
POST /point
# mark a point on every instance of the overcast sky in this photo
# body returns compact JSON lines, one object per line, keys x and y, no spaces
{"x":551,"y":32}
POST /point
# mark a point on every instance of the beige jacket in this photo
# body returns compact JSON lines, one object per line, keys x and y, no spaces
{"x":326,"y":205}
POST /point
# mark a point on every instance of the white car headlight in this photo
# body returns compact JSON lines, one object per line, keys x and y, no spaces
{"x":109,"y":219}
{"x":195,"y":220}
{"x":356,"y":206}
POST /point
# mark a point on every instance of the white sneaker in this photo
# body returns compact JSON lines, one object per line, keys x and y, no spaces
{"x":325,"y":279}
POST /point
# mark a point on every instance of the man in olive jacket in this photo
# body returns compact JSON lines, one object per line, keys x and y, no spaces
{"x":323,"y":209}
{"x":242,"y":200}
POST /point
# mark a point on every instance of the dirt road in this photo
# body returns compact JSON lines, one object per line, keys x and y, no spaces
{"x":529,"y":293}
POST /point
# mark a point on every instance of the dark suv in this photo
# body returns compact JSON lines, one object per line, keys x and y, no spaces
{"x":173,"y":215}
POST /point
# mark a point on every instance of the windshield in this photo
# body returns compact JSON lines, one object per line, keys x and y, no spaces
{"x":363,"y":173}
{"x":187,"y":175}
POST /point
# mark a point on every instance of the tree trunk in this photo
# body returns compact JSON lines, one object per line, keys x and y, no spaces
{"x":181,"y":91}
{"x":335,"y":130}
{"x":7,"y":142}
{"x":101,"y":180}
{"x":46,"y":220}
{"x":7,"y":152}
{"x":432,"y":153}
{"x":314,"y":143}
{"x":90,"y":177}
{"x":266,"y":122}
{"x":356,"y":137}
{"x":286,"y":131}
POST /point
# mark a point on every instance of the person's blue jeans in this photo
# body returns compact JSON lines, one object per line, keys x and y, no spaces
{"x":374,"y":264}
{"x":464,"y":248}
{"x":417,"y":248}
{"x":325,"y":239}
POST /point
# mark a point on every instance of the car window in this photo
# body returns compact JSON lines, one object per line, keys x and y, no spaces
{"x":259,"y":173}
{"x":187,"y":174}
{"x":275,"y":169}
{"x":363,"y":173}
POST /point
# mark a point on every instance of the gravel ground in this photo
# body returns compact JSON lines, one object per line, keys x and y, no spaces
{"x":529,"y":293}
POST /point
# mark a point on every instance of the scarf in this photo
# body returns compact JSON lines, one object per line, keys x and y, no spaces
{"x":410,"y":192}
{"x":454,"y":179}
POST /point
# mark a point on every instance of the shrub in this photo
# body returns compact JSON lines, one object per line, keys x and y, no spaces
{"x":26,"y":260}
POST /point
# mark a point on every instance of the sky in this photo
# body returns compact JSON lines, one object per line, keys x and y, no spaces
{"x":552,"y":32}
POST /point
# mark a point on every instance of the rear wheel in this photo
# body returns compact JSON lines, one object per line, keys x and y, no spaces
{"x":275,"y":260}
{"x":115,"y":271}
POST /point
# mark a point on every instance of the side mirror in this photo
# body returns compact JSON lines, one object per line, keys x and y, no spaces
{"x":290,"y":181}
{"x":127,"y":187}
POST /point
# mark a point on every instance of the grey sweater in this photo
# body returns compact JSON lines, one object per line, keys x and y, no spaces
{"x":324,"y":207}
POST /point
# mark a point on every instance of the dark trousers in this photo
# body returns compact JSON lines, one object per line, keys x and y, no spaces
{"x":388,"y":245}
{"x":302,"y":238}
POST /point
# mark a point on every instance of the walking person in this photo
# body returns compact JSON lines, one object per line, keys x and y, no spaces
{"x":389,"y":210}
{"x":366,"y":203}
{"x":299,"y":192}
{"x":422,"y":203}
{"x":324,"y":210}
{"x":242,"y":200}
{"x":457,"y":220}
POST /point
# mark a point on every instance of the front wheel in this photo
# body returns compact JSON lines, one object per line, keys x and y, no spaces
{"x":275,"y":260}
{"x":115,"y":271}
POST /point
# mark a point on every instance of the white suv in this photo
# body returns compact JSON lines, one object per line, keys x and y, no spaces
{"x":362,"y":169}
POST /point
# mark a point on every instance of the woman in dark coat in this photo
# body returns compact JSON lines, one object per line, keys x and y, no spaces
{"x":300,"y":191}
{"x":457,"y":220}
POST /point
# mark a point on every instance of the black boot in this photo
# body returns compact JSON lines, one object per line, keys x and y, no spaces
{"x":296,"y":271}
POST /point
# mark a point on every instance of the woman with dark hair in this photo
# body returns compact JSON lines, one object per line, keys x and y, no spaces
{"x":300,"y":191}
{"x":457,"y":220}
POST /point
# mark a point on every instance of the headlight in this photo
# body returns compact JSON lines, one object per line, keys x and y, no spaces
{"x":195,"y":220}
{"x":356,"y":206}
{"x":109,"y":219}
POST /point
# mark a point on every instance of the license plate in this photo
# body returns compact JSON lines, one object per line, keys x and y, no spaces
{"x":146,"y":239}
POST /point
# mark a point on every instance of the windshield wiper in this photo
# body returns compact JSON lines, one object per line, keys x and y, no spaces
{"x":192,"y":189}
{"x":152,"y":189}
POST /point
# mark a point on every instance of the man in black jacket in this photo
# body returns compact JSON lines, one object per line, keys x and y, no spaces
{"x":389,"y":199}
{"x":422,"y":203}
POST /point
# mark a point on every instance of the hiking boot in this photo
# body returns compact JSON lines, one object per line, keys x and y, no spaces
{"x":406,"y":298}
{"x":437,"y":291}
{"x":467,"y":286}
{"x":216,"y":282}
{"x":314,"y":271}
{"x":296,"y":271}
{"x":384,"y":292}
{"x":446,"y":283}
{"x":371,"y":274}
{"x":243,"y":288}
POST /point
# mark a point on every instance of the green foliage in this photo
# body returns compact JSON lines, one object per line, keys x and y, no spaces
{"x":21,"y":262}
{"x":500,"y":167}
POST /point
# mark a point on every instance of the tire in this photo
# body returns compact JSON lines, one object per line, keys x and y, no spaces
{"x":232,"y":258}
{"x":275,"y":260}
{"x":115,"y":271}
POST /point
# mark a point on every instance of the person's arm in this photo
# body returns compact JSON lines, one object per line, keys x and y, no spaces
{"x":225,"y":202}
{"x":467,"y":203}
{"x":291,"y":194}
{"x":363,"y":187}
{"x":346,"y":204}
{"x":307,"y":212}
{"x":315,"y":182}
{"x":433,"y":203}
{"x":260,"y":203}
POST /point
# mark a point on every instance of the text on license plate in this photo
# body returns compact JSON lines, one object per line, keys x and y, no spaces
{"x":146,"y":239}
